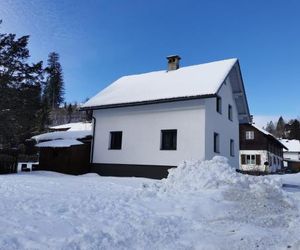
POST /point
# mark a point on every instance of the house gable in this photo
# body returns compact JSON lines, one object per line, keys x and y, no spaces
{"x":259,"y":142}
{"x":234,"y":78}
{"x":262,"y":140}
{"x":219,"y":122}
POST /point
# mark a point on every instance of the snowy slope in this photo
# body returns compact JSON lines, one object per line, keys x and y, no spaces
{"x":202,"y":205}
{"x":197,"y":80}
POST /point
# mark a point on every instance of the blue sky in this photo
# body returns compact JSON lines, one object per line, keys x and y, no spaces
{"x":99,"y":41}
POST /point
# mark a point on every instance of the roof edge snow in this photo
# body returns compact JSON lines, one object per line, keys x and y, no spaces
{"x":266,"y":133}
{"x":128,"y":104}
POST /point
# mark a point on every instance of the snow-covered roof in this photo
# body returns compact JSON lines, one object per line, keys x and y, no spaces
{"x":197,"y":80}
{"x":292,"y":145}
{"x":75,"y":126}
{"x":262,"y":130}
{"x":80,"y":134}
{"x":267,"y":133}
{"x":59,"y":143}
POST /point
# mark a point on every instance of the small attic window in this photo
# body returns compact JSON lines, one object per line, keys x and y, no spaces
{"x":216,"y":143}
{"x":219,"y":104}
{"x":249,"y":135}
{"x":230,"y":112}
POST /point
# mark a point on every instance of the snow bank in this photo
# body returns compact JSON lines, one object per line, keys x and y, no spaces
{"x":259,"y":200}
{"x":193,"y":176}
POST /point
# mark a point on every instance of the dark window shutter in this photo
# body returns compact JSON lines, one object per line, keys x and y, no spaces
{"x":243,"y":159}
{"x":257,"y":159}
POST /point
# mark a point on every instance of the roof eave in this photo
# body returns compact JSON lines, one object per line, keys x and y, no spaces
{"x":139,"y":103}
{"x":244,"y":92}
{"x":245,"y":115}
{"x":277,"y":141}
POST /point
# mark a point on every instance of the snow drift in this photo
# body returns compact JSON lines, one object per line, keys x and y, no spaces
{"x":256,"y":199}
{"x":193,"y":176}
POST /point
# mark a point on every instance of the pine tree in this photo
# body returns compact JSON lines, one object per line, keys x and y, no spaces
{"x":280,"y":128}
{"x":270,"y":127}
{"x":44,"y":116}
{"x":20,"y":90}
{"x":294,"y":128}
{"x":54,"y":90}
{"x":69,"y":112}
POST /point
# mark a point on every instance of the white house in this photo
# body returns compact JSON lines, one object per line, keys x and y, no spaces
{"x":74,"y":126}
{"x":291,"y":155}
{"x":293,"y":150}
{"x":147,"y":123}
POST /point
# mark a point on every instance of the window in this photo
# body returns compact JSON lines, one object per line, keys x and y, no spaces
{"x":115,"y":140}
{"x":249,"y":135}
{"x":231,"y":147}
{"x":168,"y":139}
{"x":230,"y":112}
{"x":216,"y":143}
{"x":219,"y":104}
{"x":250,"y":160}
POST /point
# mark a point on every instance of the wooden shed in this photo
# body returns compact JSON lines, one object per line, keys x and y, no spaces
{"x":74,"y":159}
{"x":65,"y":151}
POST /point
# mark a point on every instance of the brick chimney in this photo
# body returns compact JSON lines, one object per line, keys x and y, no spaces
{"x":173,"y":62}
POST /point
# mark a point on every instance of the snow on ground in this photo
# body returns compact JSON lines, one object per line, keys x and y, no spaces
{"x":201,"y":205}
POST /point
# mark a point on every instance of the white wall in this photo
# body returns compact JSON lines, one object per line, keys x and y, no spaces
{"x":219,"y":123}
{"x":291,"y":156}
{"x":265,"y":156}
{"x":142,"y":125}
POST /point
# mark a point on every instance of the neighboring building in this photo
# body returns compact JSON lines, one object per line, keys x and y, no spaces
{"x":145,"y":124}
{"x":65,"y":151}
{"x":75,"y":126}
{"x":292,"y":154}
{"x":259,"y":150}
